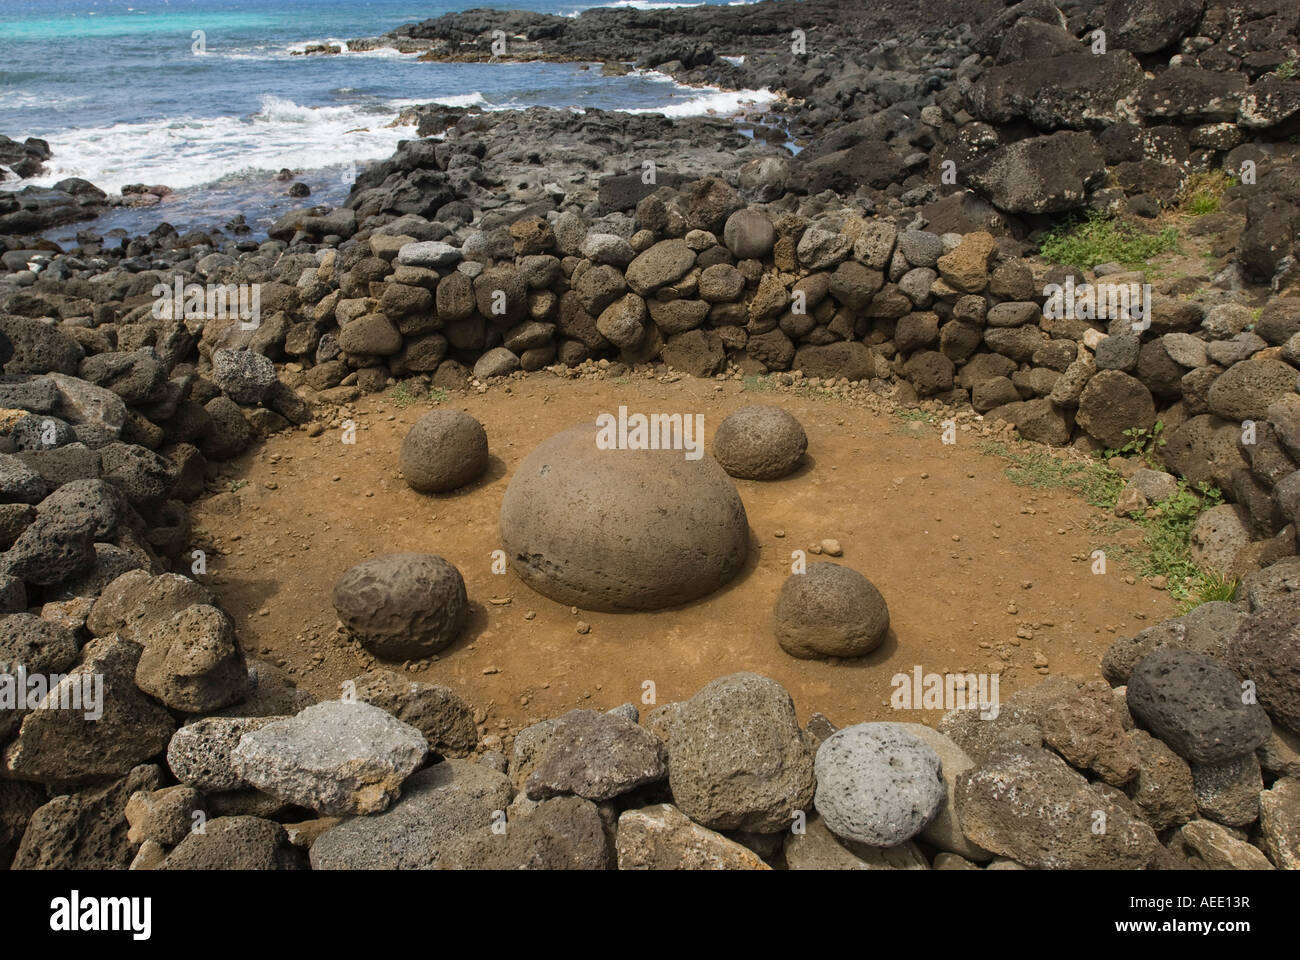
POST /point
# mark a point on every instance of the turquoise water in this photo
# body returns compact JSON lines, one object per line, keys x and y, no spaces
{"x":123,"y":95}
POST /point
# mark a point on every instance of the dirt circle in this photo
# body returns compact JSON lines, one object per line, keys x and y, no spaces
{"x":980,"y":575}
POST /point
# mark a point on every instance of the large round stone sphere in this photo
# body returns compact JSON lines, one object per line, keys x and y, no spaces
{"x":829,"y":611}
{"x":445,"y":449}
{"x":621,"y":529}
{"x":759,"y":442}
{"x":402,"y":606}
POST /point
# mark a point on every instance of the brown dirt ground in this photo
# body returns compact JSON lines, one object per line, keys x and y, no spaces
{"x":980,"y":575}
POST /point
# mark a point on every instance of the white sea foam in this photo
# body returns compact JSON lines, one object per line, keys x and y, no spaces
{"x":712,"y":101}
{"x":190,"y":152}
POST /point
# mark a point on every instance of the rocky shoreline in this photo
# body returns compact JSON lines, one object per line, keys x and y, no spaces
{"x":897,"y":253}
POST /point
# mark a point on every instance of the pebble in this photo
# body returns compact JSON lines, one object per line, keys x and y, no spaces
{"x":584,"y":627}
{"x":832,"y":548}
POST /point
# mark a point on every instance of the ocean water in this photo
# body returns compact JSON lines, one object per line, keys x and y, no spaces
{"x":122,"y":93}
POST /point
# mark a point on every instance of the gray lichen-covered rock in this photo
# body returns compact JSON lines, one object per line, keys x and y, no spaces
{"x":334,"y":757}
{"x":439,"y":805}
{"x":878,"y":783}
{"x":1027,"y":804}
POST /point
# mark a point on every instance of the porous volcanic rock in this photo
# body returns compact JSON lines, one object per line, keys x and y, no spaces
{"x":621,"y":529}
{"x":445,"y":449}
{"x":737,"y":759}
{"x":334,"y":757}
{"x":402,"y":605}
{"x":759,"y":442}
{"x":829,"y":611}
{"x":1194,"y":703}
{"x":1266,"y":650}
{"x":877,"y":783}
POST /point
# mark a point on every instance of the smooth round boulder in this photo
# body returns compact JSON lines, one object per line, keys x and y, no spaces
{"x":445,"y":449}
{"x":402,"y":606}
{"x":878,"y":784}
{"x":759,"y":442}
{"x":829,"y":611}
{"x":622,"y":529}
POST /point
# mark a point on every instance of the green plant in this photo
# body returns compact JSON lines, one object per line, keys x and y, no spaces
{"x":1101,"y":239}
{"x":1208,"y":587}
{"x":1098,"y":483}
{"x":1285,"y":70}
{"x":1203,"y":192}
{"x":1166,"y":526}
{"x":237,"y":485}
{"x":756,"y":383}
{"x":1168,"y":529}
{"x":1141,"y":442}
{"x":920,"y":416}
{"x":402,"y":396}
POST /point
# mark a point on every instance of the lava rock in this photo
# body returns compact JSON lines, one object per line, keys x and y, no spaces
{"x":446,"y":449}
{"x":671,"y":529}
{"x":878,"y":784}
{"x":334,"y":757}
{"x":402,"y":605}
{"x":829,"y":611}
{"x":1194,"y":704}
{"x":759,"y":442}
{"x":737,"y":758}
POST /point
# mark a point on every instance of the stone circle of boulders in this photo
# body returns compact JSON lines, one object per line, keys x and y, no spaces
{"x":444,"y":450}
{"x":829,"y":610}
{"x":621,"y":529}
{"x":759,"y":442}
{"x":402,"y":605}
{"x":840,"y":270}
{"x":878,"y":784}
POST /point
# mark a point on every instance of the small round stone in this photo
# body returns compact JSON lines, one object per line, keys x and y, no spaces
{"x":829,"y":611}
{"x":878,"y":784}
{"x":445,"y":449}
{"x":403,"y":605}
{"x":759,"y":442}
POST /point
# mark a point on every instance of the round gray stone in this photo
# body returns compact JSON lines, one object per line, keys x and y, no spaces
{"x":878,"y":784}
{"x":759,"y":442}
{"x":829,"y":611}
{"x":445,"y":449}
